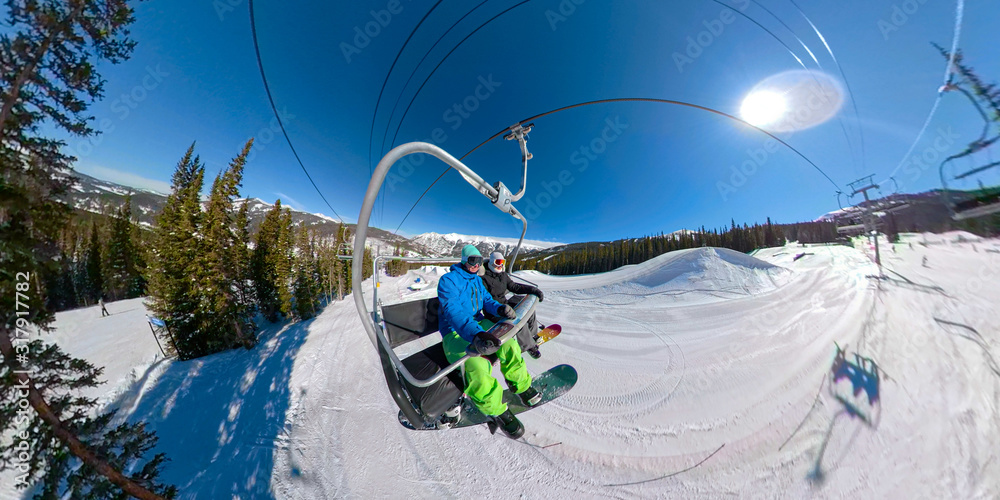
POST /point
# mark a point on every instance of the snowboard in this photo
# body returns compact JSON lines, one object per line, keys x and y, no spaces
{"x":544,"y":335}
{"x":548,"y":333}
{"x":551,"y":384}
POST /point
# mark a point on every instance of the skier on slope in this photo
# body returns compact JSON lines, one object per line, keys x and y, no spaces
{"x":498,"y":282}
{"x":463,"y":297}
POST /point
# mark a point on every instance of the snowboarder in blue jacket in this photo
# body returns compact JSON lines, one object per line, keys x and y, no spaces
{"x":463,"y":299}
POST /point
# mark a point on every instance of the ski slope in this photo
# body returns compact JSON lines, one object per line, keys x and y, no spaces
{"x":699,"y":353}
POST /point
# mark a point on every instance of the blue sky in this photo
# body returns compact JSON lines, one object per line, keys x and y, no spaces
{"x":644,"y":167}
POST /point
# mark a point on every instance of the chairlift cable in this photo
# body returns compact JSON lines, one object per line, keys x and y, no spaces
{"x":392,"y":66}
{"x":843,"y":128}
{"x":681,"y":103}
{"x":621,"y":99}
{"x":783,"y":23}
{"x":408,"y":106}
{"x":769,"y":32}
{"x":854,"y":102}
{"x":410,"y":78}
{"x":371,"y":133}
{"x":948,"y":75}
{"x":274,"y":109}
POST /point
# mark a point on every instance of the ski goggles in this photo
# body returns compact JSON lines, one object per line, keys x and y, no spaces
{"x":474,"y":260}
{"x":499,"y":262}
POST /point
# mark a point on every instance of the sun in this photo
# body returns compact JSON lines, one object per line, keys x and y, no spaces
{"x":763,"y":107}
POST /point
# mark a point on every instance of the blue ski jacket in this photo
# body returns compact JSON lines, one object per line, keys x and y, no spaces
{"x":463,"y":298}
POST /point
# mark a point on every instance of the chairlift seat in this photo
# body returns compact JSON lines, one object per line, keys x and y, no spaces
{"x":409,"y":321}
{"x":977,"y":207}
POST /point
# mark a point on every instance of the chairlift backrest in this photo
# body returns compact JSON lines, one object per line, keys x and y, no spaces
{"x":408,"y":321}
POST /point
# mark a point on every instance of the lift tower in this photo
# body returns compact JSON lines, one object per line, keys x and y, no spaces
{"x":862,"y":186}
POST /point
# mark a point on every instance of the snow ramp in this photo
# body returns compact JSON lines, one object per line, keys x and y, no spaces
{"x":686,"y":277}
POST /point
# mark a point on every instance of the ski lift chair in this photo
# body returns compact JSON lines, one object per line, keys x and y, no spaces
{"x":988,"y":202}
{"x":424,"y":385}
{"x":407,"y":322}
{"x":982,"y":205}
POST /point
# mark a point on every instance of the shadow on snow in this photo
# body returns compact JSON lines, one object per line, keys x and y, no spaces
{"x":219,"y":418}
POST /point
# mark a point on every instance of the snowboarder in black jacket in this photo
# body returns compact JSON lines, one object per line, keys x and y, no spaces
{"x":498,"y":283}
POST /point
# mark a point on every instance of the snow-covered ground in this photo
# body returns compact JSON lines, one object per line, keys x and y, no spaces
{"x":695,"y":354}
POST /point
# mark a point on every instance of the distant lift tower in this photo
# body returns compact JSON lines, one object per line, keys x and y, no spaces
{"x":862,"y":185}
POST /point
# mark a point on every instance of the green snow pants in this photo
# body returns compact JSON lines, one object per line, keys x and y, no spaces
{"x":480,"y":385}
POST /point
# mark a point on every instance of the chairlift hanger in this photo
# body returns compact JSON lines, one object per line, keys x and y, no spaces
{"x":849,"y":211}
{"x":893,"y":205}
{"x":982,"y":113}
{"x":982,"y":143}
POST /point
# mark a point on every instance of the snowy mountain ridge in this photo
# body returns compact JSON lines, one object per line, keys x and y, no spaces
{"x":98,"y":196}
{"x":450,"y":244}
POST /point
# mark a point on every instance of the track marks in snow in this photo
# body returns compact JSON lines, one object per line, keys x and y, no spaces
{"x":652,"y":394}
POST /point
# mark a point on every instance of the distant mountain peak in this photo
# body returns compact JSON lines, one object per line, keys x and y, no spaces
{"x":450,"y":244}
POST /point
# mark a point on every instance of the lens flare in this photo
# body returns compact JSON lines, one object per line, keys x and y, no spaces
{"x":763,"y":107}
{"x":793,"y":100}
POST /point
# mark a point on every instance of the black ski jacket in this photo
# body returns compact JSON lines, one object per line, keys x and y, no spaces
{"x":498,"y":284}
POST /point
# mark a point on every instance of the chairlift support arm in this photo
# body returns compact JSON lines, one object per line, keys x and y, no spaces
{"x":520,"y":133}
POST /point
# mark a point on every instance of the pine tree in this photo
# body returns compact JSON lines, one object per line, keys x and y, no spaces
{"x":175,"y":259}
{"x":48,"y":79}
{"x":271,"y":263}
{"x":282,"y":257}
{"x":241,"y":257}
{"x":95,"y":274}
{"x":366,"y":264}
{"x":322,"y":251}
{"x":123,"y":278}
{"x":137,"y":282}
{"x":343,"y":266}
{"x":61,"y":293}
{"x":226,"y":319}
{"x":305,"y":286}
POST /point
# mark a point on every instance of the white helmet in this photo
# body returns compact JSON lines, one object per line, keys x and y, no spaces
{"x":497,"y":261}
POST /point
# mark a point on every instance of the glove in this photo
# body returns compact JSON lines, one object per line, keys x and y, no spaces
{"x":507,"y":312}
{"x":538,"y":293}
{"x":486,"y":343}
